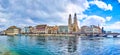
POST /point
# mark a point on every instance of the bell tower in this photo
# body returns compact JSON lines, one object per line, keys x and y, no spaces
{"x":75,"y":28}
{"x":75,"y":18}
{"x":69,"y":20}
{"x":69,"y":23}
{"x":72,"y":27}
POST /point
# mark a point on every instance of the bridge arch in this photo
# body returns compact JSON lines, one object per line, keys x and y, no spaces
{"x":109,"y":35}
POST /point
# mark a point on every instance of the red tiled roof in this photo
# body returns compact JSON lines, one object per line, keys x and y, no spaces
{"x":41,"y":27}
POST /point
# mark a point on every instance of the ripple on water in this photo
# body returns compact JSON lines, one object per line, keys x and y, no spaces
{"x":59,"y":46}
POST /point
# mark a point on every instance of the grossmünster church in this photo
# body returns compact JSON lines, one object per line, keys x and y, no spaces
{"x":73,"y":24}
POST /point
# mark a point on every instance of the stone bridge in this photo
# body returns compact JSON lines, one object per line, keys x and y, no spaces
{"x":98,"y":34}
{"x":111,"y":34}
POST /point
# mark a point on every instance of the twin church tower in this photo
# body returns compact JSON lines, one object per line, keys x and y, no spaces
{"x":73,"y":26}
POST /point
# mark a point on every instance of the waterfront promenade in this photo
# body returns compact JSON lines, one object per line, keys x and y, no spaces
{"x":75,"y":34}
{"x":50,"y":34}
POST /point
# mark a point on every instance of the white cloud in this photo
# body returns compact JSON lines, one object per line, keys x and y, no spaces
{"x":102,"y":5}
{"x":46,"y":11}
{"x":29,"y":20}
{"x":72,"y":8}
{"x":119,"y":1}
{"x":79,"y":24}
{"x":2,"y":20}
{"x":78,"y":7}
{"x":114,"y":26}
{"x":108,"y":18}
{"x":52,"y":12}
{"x":93,"y":20}
{"x":81,"y":16}
{"x":4,"y":17}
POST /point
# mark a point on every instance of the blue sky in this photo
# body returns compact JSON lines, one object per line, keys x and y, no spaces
{"x":22,"y":13}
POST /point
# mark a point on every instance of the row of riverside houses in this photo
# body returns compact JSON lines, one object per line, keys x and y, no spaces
{"x":45,"y":29}
{"x":72,"y":27}
{"x":39,"y":29}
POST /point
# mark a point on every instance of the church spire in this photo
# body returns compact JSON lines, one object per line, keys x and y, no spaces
{"x":76,"y":28}
{"x":75,"y":18}
{"x":69,"y":20}
{"x":69,"y":23}
{"x":72,"y":27}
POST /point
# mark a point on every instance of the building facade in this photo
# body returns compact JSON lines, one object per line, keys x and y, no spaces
{"x":13,"y":30}
{"x":25,"y":30}
{"x":103,"y":31}
{"x":41,"y":29}
{"x":28,"y":30}
{"x":73,"y":27}
{"x":31,"y":29}
{"x":91,"y":29}
{"x":52,"y":29}
{"x":63,"y":29}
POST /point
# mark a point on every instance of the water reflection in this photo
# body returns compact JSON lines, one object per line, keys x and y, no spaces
{"x":12,"y":41}
{"x":57,"y":45}
{"x":40,"y":40}
{"x":72,"y":44}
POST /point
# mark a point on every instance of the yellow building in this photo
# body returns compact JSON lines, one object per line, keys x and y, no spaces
{"x":13,"y":30}
{"x":52,"y":29}
{"x":73,"y":27}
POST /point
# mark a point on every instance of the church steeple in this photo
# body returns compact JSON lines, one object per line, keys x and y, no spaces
{"x":69,"y":20}
{"x":73,"y":27}
{"x":76,"y":28}
{"x":69,"y":23}
{"x":75,"y":18}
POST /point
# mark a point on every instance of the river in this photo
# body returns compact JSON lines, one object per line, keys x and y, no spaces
{"x":33,"y":45}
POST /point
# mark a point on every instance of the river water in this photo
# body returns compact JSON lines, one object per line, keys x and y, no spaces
{"x":33,"y":45}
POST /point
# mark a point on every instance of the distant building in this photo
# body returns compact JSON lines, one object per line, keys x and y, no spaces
{"x":31,"y":29}
{"x":41,"y":29}
{"x":63,"y":29}
{"x":91,"y":29}
{"x":96,"y":29}
{"x":86,"y":29}
{"x":13,"y":30}
{"x":27,"y":30}
{"x":73,"y":27}
{"x":103,"y":31}
{"x":2,"y":32}
{"x":52,"y":29}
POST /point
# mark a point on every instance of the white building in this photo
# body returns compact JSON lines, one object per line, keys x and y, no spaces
{"x":13,"y":30}
{"x":90,"y":29}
